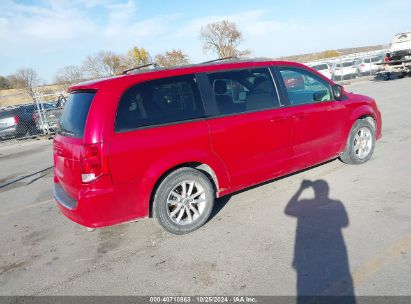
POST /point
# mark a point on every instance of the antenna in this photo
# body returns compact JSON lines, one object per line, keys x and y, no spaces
{"x":219,"y":59}
{"x":125,"y":72}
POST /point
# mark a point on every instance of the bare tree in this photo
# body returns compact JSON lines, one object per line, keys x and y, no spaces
{"x":68,"y":76}
{"x":103,"y":64}
{"x":26,"y":79}
{"x":223,"y":39}
{"x":172,"y":58}
{"x":136,"y":57}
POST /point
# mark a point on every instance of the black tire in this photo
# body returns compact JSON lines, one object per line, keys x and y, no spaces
{"x":161,"y":208}
{"x":349,"y":156}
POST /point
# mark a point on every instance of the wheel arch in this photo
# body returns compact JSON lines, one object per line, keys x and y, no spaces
{"x":364,"y":112}
{"x":370,"y":119}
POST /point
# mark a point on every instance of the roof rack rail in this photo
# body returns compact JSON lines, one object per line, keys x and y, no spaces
{"x":125,"y":72}
{"x":219,"y":59}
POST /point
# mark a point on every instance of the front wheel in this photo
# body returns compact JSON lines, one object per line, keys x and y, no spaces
{"x":360,"y":144}
{"x":183,"y":201}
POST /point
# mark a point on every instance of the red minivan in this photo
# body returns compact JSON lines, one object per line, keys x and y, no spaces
{"x":167,"y":142}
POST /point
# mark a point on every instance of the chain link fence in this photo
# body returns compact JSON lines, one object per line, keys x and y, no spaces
{"x":31,"y":120}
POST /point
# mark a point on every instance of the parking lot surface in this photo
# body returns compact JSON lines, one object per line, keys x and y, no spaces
{"x":348,"y":231}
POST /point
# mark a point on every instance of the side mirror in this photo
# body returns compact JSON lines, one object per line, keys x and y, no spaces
{"x":338,"y":91}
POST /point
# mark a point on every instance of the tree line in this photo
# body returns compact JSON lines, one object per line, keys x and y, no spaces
{"x":221,"y":38}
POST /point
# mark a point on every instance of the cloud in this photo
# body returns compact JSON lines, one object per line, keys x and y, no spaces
{"x":59,"y":25}
{"x":24,"y":25}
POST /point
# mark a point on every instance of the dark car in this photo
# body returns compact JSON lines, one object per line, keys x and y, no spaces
{"x":49,"y":121}
{"x":19,"y":121}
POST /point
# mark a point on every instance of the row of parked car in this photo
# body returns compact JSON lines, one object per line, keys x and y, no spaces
{"x":348,"y":69}
{"x":29,"y":119}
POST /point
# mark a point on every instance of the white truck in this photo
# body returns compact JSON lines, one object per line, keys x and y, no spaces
{"x":401,"y":43}
{"x":400,"y":51}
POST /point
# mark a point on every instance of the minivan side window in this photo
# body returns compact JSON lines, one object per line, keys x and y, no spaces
{"x":303,"y":87}
{"x":160,"y":101}
{"x":240,"y":91}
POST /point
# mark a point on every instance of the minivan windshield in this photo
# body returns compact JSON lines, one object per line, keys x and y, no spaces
{"x":73,"y":119}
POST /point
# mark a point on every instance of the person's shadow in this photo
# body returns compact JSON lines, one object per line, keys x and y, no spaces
{"x":320,"y":254}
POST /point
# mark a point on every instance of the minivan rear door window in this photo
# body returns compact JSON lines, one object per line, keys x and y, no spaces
{"x":157,"y":102}
{"x":73,"y":119}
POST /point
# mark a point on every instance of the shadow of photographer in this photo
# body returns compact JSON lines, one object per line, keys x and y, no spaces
{"x":320,"y":254}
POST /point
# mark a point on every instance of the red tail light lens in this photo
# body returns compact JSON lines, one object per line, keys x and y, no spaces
{"x":35,"y":116}
{"x":94,"y":162}
{"x":16,"y":119}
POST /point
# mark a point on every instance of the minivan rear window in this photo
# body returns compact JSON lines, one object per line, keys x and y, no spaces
{"x":73,"y":119}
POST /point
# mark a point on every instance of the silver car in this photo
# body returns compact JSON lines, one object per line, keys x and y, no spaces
{"x":8,"y":123}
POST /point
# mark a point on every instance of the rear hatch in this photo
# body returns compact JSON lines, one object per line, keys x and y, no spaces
{"x":69,"y":144}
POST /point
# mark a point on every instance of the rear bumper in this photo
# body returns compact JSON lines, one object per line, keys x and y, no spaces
{"x":63,"y":198}
{"x":104,"y":206}
{"x":8,"y":132}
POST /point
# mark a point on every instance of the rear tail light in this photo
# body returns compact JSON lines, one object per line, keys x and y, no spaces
{"x":16,"y":119}
{"x":35,"y":116}
{"x":362,"y":65}
{"x":94,"y":162}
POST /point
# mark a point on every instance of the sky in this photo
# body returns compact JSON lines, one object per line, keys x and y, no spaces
{"x":47,"y":35}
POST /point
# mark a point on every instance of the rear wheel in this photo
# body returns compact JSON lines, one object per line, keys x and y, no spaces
{"x":183,"y":201}
{"x":360,"y":144}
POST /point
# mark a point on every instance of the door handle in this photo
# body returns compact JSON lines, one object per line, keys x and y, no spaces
{"x":300,"y":116}
{"x":278,"y":119}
